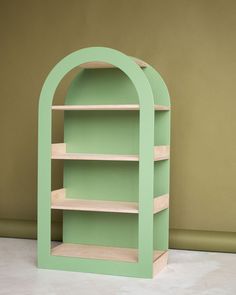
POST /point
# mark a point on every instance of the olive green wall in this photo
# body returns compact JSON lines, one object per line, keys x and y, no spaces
{"x":191,"y":43}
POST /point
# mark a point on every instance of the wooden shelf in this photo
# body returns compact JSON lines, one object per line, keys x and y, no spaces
{"x":59,"y":201}
{"x":59,"y":152}
{"x":100,"y":107}
{"x":160,"y":203}
{"x":101,"y":252}
{"x":99,"y":64}
{"x":160,"y":263}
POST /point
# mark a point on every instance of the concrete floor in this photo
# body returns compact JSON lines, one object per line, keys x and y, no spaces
{"x":188,"y":272}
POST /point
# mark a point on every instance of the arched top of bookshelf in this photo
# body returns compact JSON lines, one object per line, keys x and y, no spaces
{"x":147,"y":81}
{"x":104,"y":55}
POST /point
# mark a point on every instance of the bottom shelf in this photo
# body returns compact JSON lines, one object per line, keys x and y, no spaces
{"x":101,"y":252}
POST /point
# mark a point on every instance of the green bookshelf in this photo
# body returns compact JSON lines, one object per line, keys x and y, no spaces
{"x":115,"y":194}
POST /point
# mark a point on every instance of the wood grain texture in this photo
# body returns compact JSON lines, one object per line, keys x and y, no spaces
{"x":94,"y":205}
{"x":161,"y":152}
{"x":100,"y":252}
{"x":160,"y":263}
{"x":106,"y":107}
{"x":93,"y":157}
{"x":58,"y":152}
{"x":160,"y":203}
{"x":58,"y":195}
{"x":99,"y":64}
{"x":59,"y":201}
{"x":58,"y":148}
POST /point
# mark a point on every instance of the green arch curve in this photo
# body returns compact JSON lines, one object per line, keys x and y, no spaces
{"x":146,"y":144}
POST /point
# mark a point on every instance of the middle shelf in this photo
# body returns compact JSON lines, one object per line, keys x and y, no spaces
{"x":59,"y":152}
{"x":59,"y":201}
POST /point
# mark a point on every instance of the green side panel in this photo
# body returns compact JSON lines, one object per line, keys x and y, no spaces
{"x":105,"y":229}
{"x":161,"y":96}
{"x":161,"y":232}
{"x":161,"y":176}
{"x":161,"y":168}
{"x":159,"y":89}
{"x":161,"y":219}
{"x":162,"y":128}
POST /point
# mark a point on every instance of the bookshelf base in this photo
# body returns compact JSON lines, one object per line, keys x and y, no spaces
{"x":99,"y":252}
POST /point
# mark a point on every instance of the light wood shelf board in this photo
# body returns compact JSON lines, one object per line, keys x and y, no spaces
{"x":60,"y":202}
{"x":58,"y":148}
{"x":160,"y":203}
{"x":99,"y":64}
{"x":100,"y":252}
{"x":161,"y":152}
{"x":59,"y":152}
{"x":94,"y":157}
{"x":160,"y":263}
{"x":115,"y":107}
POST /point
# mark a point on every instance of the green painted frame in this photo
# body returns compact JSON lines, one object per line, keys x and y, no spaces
{"x":144,"y":266}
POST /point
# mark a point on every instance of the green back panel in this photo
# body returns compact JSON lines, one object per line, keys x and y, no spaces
{"x":101,"y":86}
{"x":114,"y":132}
{"x":106,"y":229}
{"x":161,"y":168}
{"x":101,"y":180}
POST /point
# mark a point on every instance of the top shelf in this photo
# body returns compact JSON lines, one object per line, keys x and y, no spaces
{"x":100,"y":65}
{"x":106,"y":107}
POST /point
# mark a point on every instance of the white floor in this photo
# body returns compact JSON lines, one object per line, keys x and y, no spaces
{"x":188,"y":272}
